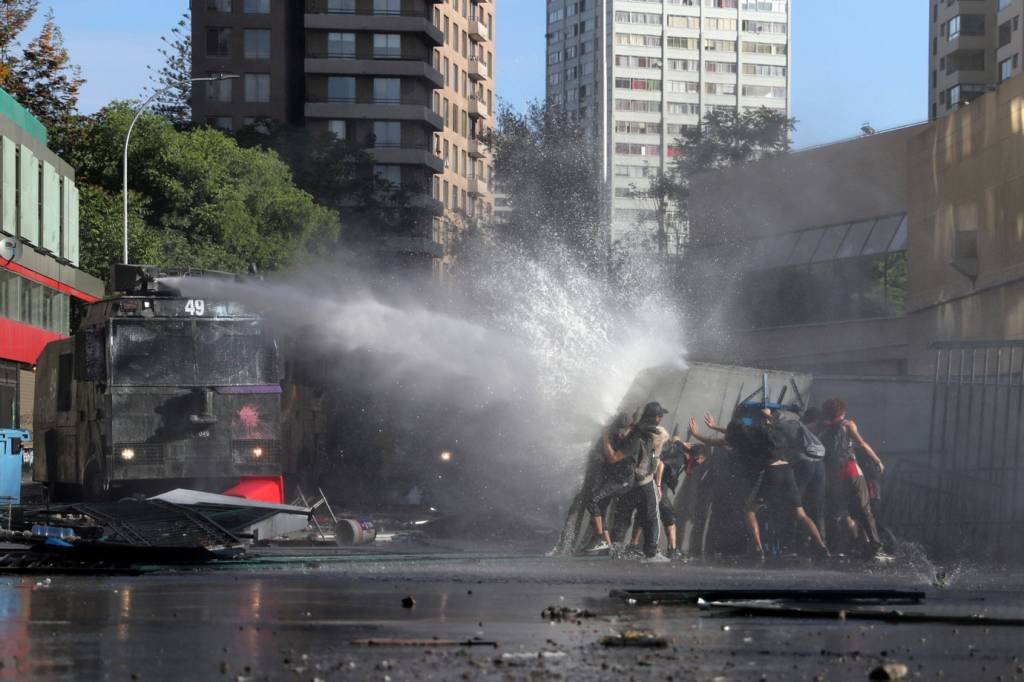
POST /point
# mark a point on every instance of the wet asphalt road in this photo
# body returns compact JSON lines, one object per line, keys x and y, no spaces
{"x":291,"y":620}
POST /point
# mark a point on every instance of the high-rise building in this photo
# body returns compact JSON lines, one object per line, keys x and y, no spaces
{"x":639,"y":72}
{"x":974,"y":45}
{"x":411,"y":80}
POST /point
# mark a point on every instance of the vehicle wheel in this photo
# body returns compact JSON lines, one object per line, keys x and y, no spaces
{"x":93,"y":485}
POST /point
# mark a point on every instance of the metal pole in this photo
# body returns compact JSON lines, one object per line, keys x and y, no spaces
{"x":128,"y":137}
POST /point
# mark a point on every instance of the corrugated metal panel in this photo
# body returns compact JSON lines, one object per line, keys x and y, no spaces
{"x":8,"y":188}
{"x":71,"y":236}
{"x":51,"y":209}
{"x":27,"y":397}
{"x":28,"y":223}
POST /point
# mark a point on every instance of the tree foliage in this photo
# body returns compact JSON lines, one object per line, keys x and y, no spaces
{"x":42,"y":78}
{"x":550,"y":169}
{"x":175,"y":74}
{"x":198,"y":199}
{"x":732,"y":138}
{"x":14,"y":17}
{"x":339,"y":174}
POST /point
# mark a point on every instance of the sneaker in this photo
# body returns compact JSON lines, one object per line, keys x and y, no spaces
{"x":881,"y":557}
{"x":658,"y":558}
{"x":600,"y":546}
{"x":676,"y":555}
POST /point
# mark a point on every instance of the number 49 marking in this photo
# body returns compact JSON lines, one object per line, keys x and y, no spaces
{"x":195,"y":307}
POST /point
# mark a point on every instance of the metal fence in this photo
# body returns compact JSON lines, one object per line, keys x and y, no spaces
{"x":964,"y":494}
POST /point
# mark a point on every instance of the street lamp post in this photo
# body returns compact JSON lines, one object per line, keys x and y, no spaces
{"x":128,"y":137}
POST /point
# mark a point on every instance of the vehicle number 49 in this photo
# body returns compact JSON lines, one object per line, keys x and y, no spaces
{"x":196,"y":307}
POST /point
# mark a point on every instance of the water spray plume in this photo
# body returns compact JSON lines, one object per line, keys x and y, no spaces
{"x":519,"y":366}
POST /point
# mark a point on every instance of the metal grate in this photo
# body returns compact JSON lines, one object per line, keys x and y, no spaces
{"x":966,"y":493}
{"x":154,"y":523}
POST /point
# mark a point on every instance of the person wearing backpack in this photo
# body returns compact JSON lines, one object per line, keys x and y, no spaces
{"x":801,"y":448}
{"x":848,"y":501}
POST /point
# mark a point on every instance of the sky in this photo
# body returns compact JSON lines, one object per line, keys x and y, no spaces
{"x":852,"y":61}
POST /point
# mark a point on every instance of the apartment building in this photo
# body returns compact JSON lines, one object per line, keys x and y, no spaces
{"x":974,"y":46}
{"x":410,"y":80}
{"x":639,"y":72}
{"x":39,"y":273}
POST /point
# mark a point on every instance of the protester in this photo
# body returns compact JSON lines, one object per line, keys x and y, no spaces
{"x":666,"y":478}
{"x":848,"y":498}
{"x":637,"y":449}
{"x":773,"y":482}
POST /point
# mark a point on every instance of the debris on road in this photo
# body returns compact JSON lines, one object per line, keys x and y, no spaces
{"x":398,"y":642}
{"x":782,"y":610}
{"x":693,"y":597}
{"x":565,"y":613}
{"x":635,"y":638}
{"x":889,"y":671}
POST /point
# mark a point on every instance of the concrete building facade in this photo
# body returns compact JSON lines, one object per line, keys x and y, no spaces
{"x":973,"y":46}
{"x":39,"y":274}
{"x":410,"y":80}
{"x":639,"y":72}
{"x":856,"y":258}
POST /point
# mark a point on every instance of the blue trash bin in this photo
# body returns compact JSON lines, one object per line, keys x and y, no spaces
{"x":10,"y":464}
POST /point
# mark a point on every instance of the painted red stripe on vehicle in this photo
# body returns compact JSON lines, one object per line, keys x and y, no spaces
{"x":22,"y":342}
{"x":49,"y":282}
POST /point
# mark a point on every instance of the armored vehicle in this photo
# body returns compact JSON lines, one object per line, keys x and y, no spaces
{"x":156,"y":391}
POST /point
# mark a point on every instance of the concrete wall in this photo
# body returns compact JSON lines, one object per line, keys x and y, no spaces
{"x":893,"y":414}
{"x":863,"y":178}
{"x":967,"y":175}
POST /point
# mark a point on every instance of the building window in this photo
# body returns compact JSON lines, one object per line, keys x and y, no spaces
{"x":387,"y":6}
{"x":389,"y":173}
{"x":387,"y":133}
{"x":257,"y":43}
{"x":257,"y":87}
{"x":1005,"y":69}
{"x":341,"y":89}
{"x":220,"y":122}
{"x":218,"y":91}
{"x":341,"y":6}
{"x":339,"y":128}
{"x":341,"y":45}
{"x":222,"y":6}
{"x":387,"y":90}
{"x":1005,"y":33}
{"x":218,"y":42}
{"x":257,"y":7}
{"x":257,"y":125}
{"x":387,"y":45}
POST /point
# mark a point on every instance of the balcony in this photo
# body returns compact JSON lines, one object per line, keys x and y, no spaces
{"x":476,"y":149}
{"x":351,"y":64}
{"x":318,"y":17}
{"x":407,"y":154}
{"x":374,"y":110}
{"x":478,"y":31}
{"x":434,"y":207}
{"x":477,"y":108}
{"x":477,"y":70}
{"x":477,"y":187}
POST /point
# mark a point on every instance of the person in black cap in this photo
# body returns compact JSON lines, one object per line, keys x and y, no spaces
{"x":636,"y":448}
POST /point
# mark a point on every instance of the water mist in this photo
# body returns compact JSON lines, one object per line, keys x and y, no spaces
{"x":512,"y":373}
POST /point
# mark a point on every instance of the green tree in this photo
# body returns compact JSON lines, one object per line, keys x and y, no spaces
{"x":176,"y":104}
{"x":14,"y":17}
{"x":45,"y":82}
{"x":339,"y":174}
{"x":732,"y":138}
{"x":198,"y":198}
{"x":550,"y":169}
